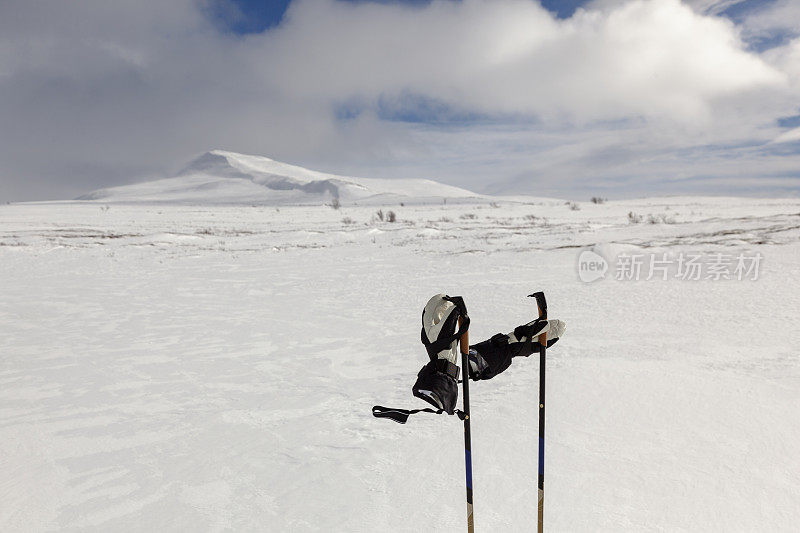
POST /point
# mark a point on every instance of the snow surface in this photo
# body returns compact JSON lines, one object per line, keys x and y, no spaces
{"x":221,"y":177}
{"x":212,"y":368}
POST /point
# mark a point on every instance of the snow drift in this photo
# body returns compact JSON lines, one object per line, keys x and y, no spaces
{"x":220,"y":177}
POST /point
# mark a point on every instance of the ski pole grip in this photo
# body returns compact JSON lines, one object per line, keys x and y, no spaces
{"x":541,"y":303}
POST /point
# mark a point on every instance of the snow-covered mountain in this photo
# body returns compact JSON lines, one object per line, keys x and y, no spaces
{"x":221,"y":177}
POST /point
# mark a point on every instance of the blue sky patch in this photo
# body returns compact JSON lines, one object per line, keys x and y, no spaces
{"x":762,"y":43}
{"x":419,"y":109}
{"x":415,"y":108}
{"x":739,"y":11}
{"x":562,"y":8}
{"x":789,"y":122}
{"x":246,"y":16}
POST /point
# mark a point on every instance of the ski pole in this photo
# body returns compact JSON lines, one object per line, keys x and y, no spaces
{"x":467,"y":436}
{"x":541,"y":304}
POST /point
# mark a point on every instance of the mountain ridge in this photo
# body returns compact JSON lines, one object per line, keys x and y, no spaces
{"x":220,"y":176}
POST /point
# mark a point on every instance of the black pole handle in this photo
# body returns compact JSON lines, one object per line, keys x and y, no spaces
{"x":541,"y":302}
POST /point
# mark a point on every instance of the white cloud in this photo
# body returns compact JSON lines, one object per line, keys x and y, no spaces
{"x":93,"y":93}
{"x":713,"y":7}
{"x":649,"y":58}
{"x":789,"y":136}
{"x":777,"y":16}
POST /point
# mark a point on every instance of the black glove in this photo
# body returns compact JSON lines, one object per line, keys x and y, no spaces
{"x":437,"y":384}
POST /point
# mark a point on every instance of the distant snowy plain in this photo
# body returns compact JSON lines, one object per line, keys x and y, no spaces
{"x":212,"y":368}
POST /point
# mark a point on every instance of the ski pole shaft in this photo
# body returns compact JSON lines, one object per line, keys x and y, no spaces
{"x":541,"y":304}
{"x":467,"y":433}
{"x":542,"y":348}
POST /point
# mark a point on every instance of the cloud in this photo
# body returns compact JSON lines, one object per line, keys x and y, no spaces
{"x":713,"y":7}
{"x":779,"y":15}
{"x":789,"y":136}
{"x":641,"y":58}
{"x":643,"y":92}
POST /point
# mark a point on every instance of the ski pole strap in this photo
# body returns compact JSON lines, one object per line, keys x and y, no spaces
{"x":446,"y":367}
{"x":529,"y":332}
{"x":443,"y":343}
{"x":401,"y":415}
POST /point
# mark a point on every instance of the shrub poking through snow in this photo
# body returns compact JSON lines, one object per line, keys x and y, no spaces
{"x":348,"y":220}
{"x":661,"y":218}
{"x":469,"y":216}
{"x":335,"y":203}
{"x":598,"y":200}
{"x":633,"y":218}
{"x":379,"y":214}
{"x":391,"y":217}
{"x":573,"y":206}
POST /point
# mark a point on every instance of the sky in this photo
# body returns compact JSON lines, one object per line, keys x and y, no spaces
{"x":571,"y":98}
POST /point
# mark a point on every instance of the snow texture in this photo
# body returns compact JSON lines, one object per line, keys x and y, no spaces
{"x":212,"y":368}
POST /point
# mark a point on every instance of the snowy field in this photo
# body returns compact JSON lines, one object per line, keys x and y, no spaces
{"x":179,"y":368}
